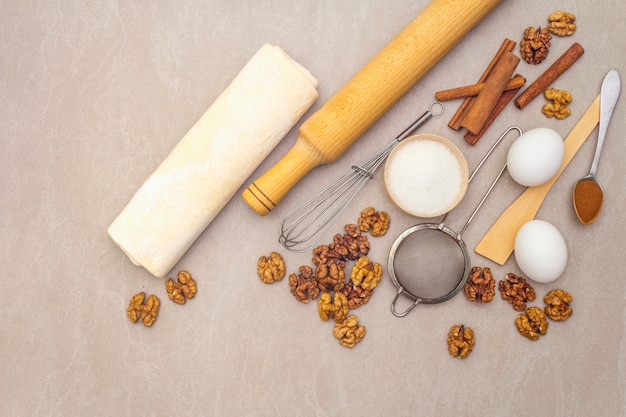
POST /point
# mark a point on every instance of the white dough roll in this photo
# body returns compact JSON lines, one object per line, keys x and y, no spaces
{"x":209,"y":164}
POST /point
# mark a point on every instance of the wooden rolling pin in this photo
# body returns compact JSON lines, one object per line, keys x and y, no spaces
{"x":330,"y":131}
{"x":499,"y":241}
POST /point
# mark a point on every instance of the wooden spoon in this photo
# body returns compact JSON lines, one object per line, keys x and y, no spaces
{"x":499,"y":241}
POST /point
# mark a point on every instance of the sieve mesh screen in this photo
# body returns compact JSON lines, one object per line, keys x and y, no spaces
{"x":429,"y":263}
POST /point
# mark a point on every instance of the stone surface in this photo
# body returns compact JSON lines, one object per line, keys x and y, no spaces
{"x":95,"y":95}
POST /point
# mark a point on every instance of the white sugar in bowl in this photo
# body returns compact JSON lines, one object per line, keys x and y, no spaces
{"x":426,"y":175}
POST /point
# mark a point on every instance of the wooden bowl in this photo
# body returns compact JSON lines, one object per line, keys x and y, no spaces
{"x":426,"y":175}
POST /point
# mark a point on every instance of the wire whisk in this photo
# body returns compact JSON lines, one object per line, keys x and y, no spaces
{"x":304,"y":226}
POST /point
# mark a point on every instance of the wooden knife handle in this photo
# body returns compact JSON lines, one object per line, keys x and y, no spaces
{"x":499,"y":241}
{"x":330,"y":131}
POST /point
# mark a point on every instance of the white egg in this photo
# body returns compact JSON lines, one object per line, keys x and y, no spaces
{"x":540,"y":251}
{"x":535,"y":156}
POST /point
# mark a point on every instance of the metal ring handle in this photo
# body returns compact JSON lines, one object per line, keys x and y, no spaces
{"x":407,"y":311}
{"x":436,"y":108}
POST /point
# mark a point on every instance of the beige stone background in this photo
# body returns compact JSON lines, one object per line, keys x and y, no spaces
{"x":95,"y":95}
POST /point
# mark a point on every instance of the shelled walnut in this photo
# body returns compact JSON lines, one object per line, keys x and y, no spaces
{"x":535,"y":44}
{"x":182,"y":289}
{"x":460,"y":341}
{"x":146,"y":312}
{"x":304,"y":285}
{"x":335,"y":307}
{"x":557,"y":307}
{"x":271,"y":268}
{"x":331,"y":277}
{"x":356,"y":295}
{"x":348,"y":332}
{"x":562,"y":23}
{"x":481,"y":286}
{"x":324,"y":255}
{"x":376,"y":221}
{"x":532,"y":324}
{"x":366,"y":273}
{"x":337,"y":292}
{"x":352,"y":245}
{"x":347,"y":247}
{"x":558,"y":108}
{"x":516,"y":291}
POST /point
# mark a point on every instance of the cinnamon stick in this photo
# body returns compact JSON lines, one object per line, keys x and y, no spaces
{"x":473,"y":89}
{"x":503,"y":101}
{"x":550,"y":75}
{"x":488,"y":97}
{"x":455,"y":122}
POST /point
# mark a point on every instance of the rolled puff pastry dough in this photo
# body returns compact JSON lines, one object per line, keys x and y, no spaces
{"x":209,"y":164}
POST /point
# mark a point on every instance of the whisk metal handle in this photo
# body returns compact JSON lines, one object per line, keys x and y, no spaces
{"x":435,"y":108}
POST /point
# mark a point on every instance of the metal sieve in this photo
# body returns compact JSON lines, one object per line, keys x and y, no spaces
{"x":429,"y":263}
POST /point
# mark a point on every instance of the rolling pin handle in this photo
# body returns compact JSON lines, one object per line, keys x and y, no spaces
{"x":264,"y":194}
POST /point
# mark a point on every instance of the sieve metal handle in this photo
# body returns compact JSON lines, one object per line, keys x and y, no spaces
{"x":480,"y":164}
{"x":493,"y":184}
{"x":408,"y":310}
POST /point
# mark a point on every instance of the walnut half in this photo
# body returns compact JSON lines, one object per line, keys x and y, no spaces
{"x":366,"y":273}
{"x":376,"y":221}
{"x":460,"y":341}
{"x":561,"y":23}
{"x":335,"y":307}
{"x":558,"y":108}
{"x":532,"y":324}
{"x":516,"y":291}
{"x":304,"y":285}
{"x":348,"y":332}
{"x":481,"y":286}
{"x":271,"y":268}
{"x":146,"y":312}
{"x":534,"y":45}
{"x":557,"y":305}
{"x":182,"y":289}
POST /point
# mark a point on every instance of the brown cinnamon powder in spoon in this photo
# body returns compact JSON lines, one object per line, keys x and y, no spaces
{"x":587,"y":200}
